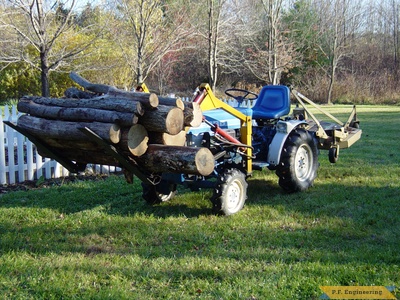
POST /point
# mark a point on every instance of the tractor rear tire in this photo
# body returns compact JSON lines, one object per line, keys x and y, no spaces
{"x":230,"y":193}
{"x":153,"y":196}
{"x":299,"y":161}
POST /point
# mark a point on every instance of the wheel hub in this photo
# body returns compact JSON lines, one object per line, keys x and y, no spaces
{"x":302,"y":162}
{"x":234,"y":194}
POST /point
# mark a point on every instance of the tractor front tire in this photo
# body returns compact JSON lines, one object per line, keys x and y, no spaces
{"x":230,"y":193}
{"x":153,"y":196}
{"x":299,"y":161}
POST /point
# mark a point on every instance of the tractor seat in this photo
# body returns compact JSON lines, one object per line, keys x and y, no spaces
{"x":273,"y":102}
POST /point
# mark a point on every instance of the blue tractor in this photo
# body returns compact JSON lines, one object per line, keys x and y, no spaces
{"x":257,"y":132}
{"x":258,"y":135}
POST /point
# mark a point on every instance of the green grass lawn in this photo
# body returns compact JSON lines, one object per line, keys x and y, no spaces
{"x":99,"y":240}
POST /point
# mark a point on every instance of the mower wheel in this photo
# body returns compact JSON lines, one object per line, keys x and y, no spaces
{"x":333,"y":155}
{"x":230,"y":193}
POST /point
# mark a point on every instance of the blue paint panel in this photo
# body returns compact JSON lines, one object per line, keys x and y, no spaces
{"x":224,"y":120}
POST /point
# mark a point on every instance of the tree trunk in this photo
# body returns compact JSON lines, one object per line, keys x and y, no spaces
{"x":44,"y":73}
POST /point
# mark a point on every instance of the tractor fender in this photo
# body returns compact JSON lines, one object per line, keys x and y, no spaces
{"x":283,"y":129}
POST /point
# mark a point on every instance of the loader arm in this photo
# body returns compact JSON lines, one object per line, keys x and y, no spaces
{"x":208,"y":101}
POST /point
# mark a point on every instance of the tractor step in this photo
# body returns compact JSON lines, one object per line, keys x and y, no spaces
{"x":260,"y":165}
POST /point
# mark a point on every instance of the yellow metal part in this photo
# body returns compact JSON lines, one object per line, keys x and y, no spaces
{"x":142,"y":87}
{"x":212,"y":102}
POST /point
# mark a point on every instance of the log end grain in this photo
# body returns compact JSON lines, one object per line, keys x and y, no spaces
{"x":115,"y":133}
{"x":205,"y":162}
{"x":168,"y":139}
{"x":137,"y":140}
{"x":153,"y":100}
{"x":175,"y":140}
{"x":174,"y":121}
{"x":179,"y":103}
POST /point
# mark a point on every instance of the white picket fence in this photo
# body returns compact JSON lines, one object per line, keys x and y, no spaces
{"x":19,"y":159}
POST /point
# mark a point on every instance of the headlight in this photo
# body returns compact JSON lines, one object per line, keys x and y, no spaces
{"x":281,"y":127}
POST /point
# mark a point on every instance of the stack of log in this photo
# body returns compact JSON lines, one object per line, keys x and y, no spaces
{"x":147,"y":129}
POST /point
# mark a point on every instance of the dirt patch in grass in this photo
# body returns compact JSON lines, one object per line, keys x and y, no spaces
{"x":46,"y":183}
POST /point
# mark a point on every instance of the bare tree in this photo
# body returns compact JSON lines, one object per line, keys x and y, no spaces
{"x":339,"y":22}
{"x":42,"y":34}
{"x":214,"y":23}
{"x":388,"y":12}
{"x":271,"y":52}
{"x":222,"y":31}
{"x":151,"y":29}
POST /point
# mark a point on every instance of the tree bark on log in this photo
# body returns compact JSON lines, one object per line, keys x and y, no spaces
{"x":76,"y":114}
{"x":175,"y":159}
{"x":172,"y":102}
{"x":65,"y":130}
{"x":163,"y":119}
{"x":78,"y":94}
{"x":104,"y":103}
{"x":163,"y":138}
{"x":149,"y":100}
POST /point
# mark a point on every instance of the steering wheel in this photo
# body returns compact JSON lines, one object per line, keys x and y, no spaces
{"x":239,"y":95}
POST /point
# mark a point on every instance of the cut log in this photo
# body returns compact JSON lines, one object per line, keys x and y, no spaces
{"x":96,"y":88}
{"x":43,"y":128}
{"x":135,"y":140}
{"x":115,"y":104}
{"x":115,"y":133}
{"x":149,"y":100}
{"x":172,"y":102}
{"x":193,"y":114}
{"x":168,"y":139}
{"x":163,"y":119}
{"x":175,"y":159}
{"x":76,"y":114}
